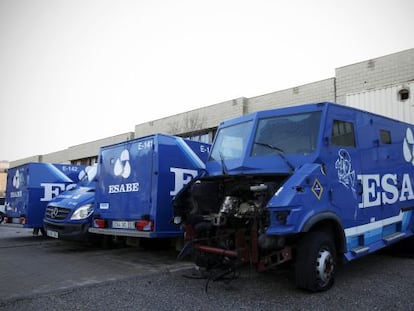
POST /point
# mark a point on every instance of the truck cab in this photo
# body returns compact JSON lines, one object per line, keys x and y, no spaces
{"x":314,"y":184}
{"x":69,"y":215}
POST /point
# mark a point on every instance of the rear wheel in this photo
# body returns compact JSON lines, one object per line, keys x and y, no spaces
{"x":316,"y":262}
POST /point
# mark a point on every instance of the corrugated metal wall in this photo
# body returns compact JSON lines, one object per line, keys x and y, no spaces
{"x":386,"y":101}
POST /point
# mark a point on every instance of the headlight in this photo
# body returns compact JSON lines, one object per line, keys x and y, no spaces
{"x":82,"y":212}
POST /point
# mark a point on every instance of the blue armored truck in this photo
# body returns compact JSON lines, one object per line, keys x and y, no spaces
{"x":69,"y":215}
{"x":137,"y":181}
{"x":31,"y":186}
{"x":314,"y":185}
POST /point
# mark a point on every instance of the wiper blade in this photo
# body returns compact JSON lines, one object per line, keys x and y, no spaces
{"x":269,"y":146}
{"x":223,"y":165}
{"x":281,"y":152}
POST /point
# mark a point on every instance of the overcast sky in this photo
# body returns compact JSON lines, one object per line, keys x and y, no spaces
{"x":74,"y":71}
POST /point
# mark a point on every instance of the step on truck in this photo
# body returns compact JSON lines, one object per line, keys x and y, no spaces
{"x":69,"y":215}
{"x":31,"y":186}
{"x":313,"y":185}
{"x":137,"y":182}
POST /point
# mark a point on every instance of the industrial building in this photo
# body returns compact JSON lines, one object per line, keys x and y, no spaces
{"x":4,"y":166}
{"x":383,"y":85}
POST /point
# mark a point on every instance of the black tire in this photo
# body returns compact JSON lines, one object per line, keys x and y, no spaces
{"x":1,"y":217}
{"x":316,"y":262}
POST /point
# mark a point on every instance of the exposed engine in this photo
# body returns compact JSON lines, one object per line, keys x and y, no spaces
{"x":236,"y":203}
{"x":225,"y":216}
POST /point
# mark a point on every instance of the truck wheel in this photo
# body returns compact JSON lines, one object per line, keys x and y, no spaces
{"x":315,"y":262}
{"x":1,"y":217}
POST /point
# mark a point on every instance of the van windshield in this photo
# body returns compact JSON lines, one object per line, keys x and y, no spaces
{"x":290,"y":134}
{"x":231,"y":142}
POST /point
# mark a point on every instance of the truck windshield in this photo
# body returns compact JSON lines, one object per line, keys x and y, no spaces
{"x":297,"y":133}
{"x":231,"y":142}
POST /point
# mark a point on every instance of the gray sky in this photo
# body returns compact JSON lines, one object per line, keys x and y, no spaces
{"x":74,"y":71}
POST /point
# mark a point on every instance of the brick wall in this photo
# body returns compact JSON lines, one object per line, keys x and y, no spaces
{"x":3,"y":177}
{"x":374,"y":73}
{"x":202,"y":118}
{"x":313,"y":92}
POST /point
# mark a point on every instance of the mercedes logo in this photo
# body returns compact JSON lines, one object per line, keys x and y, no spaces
{"x":54,"y":212}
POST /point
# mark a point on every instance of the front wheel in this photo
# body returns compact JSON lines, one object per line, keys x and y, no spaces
{"x":316,"y":262}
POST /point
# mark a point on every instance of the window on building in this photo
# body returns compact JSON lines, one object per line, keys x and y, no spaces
{"x":343,"y":134}
{"x":385,"y":137}
{"x":85,"y":161}
{"x":403,"y":94}
{"x":204,"y":136}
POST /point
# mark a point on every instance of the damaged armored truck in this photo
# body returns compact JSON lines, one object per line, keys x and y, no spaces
{"x":314,"y":185}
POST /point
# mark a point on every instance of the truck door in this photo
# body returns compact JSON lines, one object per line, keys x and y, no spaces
{"x":343,"y":165}
{"x":17,"y":193}
{"x":125,"y":181}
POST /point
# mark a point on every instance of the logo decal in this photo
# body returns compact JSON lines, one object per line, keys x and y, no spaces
{"x":54,"y":212}
{"x":182,"y":177}
{"x":122,"y":166}
{"x":88,"y":174}
{"x":346,"y":175}
{"x":408,"y":146}
{"x":17,"y":179}
{"x":317,"y":189}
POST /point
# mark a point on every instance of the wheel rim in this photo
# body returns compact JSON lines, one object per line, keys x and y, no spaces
{"x":324,"y":267}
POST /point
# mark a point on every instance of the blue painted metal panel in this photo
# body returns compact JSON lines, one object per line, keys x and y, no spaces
{"x":364,"y":185}
{"x":69,"y":215}
{"x":140,"y":177}
{"x":31,"y":186}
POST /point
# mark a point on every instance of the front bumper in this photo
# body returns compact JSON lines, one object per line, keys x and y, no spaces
{"x":68,"y":231}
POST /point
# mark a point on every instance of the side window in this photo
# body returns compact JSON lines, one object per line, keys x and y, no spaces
{"x":385,"y":137}
{"x":343,"y":134}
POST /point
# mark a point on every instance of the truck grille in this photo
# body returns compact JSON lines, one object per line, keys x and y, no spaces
{"x":58,"y":213}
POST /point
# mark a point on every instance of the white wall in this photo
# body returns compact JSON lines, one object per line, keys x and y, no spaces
{"x":386,"y":101}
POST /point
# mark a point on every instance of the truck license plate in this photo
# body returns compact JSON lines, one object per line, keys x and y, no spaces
{"x":120,"y":224}
{"x":52,"y":234}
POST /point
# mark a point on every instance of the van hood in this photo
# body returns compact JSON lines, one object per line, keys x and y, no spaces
{"x":74,"y":198}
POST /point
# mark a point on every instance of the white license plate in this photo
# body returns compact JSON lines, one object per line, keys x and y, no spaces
{"x":52,"y":234}
{"x":116,"y":224}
